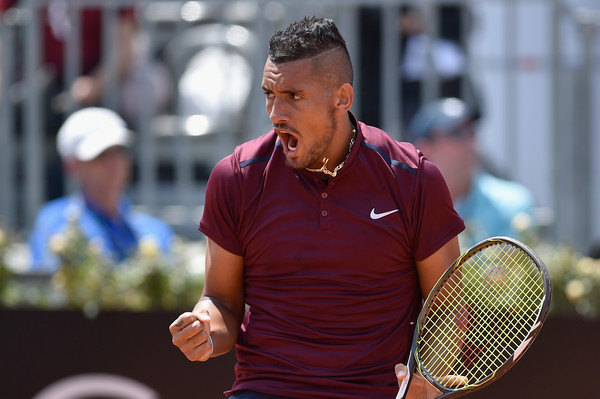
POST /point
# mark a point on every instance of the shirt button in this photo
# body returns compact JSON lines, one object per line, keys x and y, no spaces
{"x":324,"y":195}
{"x":323,"y":213}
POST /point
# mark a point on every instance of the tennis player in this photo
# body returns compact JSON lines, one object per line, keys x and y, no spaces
{"x":324,"y":236}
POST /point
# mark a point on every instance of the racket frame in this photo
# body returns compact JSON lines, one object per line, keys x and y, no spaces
{"x":414,"y":361}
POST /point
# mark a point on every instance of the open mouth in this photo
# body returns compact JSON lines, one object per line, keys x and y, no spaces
{"x":289,"y":142}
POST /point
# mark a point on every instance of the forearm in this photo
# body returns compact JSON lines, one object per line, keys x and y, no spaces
{"x":224,"y":325}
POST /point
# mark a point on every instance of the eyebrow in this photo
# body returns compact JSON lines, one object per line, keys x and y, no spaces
{"x":285,"y":90}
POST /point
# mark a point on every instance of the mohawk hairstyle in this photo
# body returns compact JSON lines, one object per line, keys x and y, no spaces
{"x":308,"y":38}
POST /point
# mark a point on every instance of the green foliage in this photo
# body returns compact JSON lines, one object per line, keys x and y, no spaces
{"x":575,"y":281}
{"x":86,"y":280}
{"x":149,"y":281}
{"x":6,"y":274}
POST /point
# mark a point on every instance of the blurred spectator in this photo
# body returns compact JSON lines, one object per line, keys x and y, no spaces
{"x":56,"y":28}
{"x":445,"y":130}
{"x":424,"y":56}
{"x":137,"y":76}
{"x":87,"y":88}
{"x":4,"y":5}
{"x":94,"y":143}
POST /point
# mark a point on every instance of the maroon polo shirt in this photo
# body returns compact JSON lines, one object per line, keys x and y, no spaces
{"x":329,"y":267}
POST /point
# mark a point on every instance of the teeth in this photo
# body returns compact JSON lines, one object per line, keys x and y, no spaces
{"x":292,"y":143}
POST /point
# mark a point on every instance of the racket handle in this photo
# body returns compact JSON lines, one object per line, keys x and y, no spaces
{"x":404,"y":386}
{"x":406,"y":381}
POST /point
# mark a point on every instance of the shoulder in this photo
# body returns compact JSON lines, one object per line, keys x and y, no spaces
{"x":397,"y":154}
{"x":247,"y":157}
{"x":148,"y":228}
{"x":259,"y":150}
{"x":56,"y":204}
{"x":55,"y":211}
{"x":146,"y":224}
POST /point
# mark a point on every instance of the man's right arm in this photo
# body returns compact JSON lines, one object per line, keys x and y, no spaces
{"x":219,"y":312}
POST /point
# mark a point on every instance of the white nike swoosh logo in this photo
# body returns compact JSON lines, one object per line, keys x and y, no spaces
{"x":376,"y":216}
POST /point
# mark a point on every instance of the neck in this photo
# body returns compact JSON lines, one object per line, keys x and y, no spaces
{"x":331,"y":171}
{"x":108,"y":204}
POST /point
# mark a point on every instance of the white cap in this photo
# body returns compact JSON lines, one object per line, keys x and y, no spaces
{"x":90,"y":131}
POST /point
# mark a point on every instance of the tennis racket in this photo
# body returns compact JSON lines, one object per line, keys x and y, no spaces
{"x":481,"y":316}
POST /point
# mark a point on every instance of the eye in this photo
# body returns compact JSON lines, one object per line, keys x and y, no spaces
{"x":295,"y":96}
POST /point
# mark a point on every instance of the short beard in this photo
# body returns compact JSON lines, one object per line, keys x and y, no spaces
{"x":317,"y":153}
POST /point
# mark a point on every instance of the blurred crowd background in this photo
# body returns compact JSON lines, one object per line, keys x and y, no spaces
{"x":185,"y":75}
{"x":185,"y":78}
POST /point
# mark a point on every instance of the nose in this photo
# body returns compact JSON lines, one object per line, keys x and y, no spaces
{"x":277,"y":110}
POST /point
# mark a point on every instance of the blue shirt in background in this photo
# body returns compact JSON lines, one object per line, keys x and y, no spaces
{"x":117,"y":239}
{"x":490,"y":209}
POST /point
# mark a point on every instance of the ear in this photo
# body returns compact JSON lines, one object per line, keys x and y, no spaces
{"x":344,"y":98}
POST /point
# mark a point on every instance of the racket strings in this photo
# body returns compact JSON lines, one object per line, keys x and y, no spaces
{"x":485,"y":309}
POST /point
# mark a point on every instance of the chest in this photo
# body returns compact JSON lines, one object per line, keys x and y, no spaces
{"x":351,"y":231}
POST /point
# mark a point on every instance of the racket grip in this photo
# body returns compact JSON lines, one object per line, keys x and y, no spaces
{"x":406,"y":381}
{"x":404,"y":385}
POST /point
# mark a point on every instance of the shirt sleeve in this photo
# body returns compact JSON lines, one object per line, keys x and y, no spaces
{"x":220,"y":220}
{"x":437,"y":222}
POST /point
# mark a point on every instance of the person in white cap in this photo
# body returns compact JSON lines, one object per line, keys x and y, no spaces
{"x":94,"y":147}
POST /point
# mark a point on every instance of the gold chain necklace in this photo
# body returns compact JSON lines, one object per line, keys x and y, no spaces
{"x":323,"y":169}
